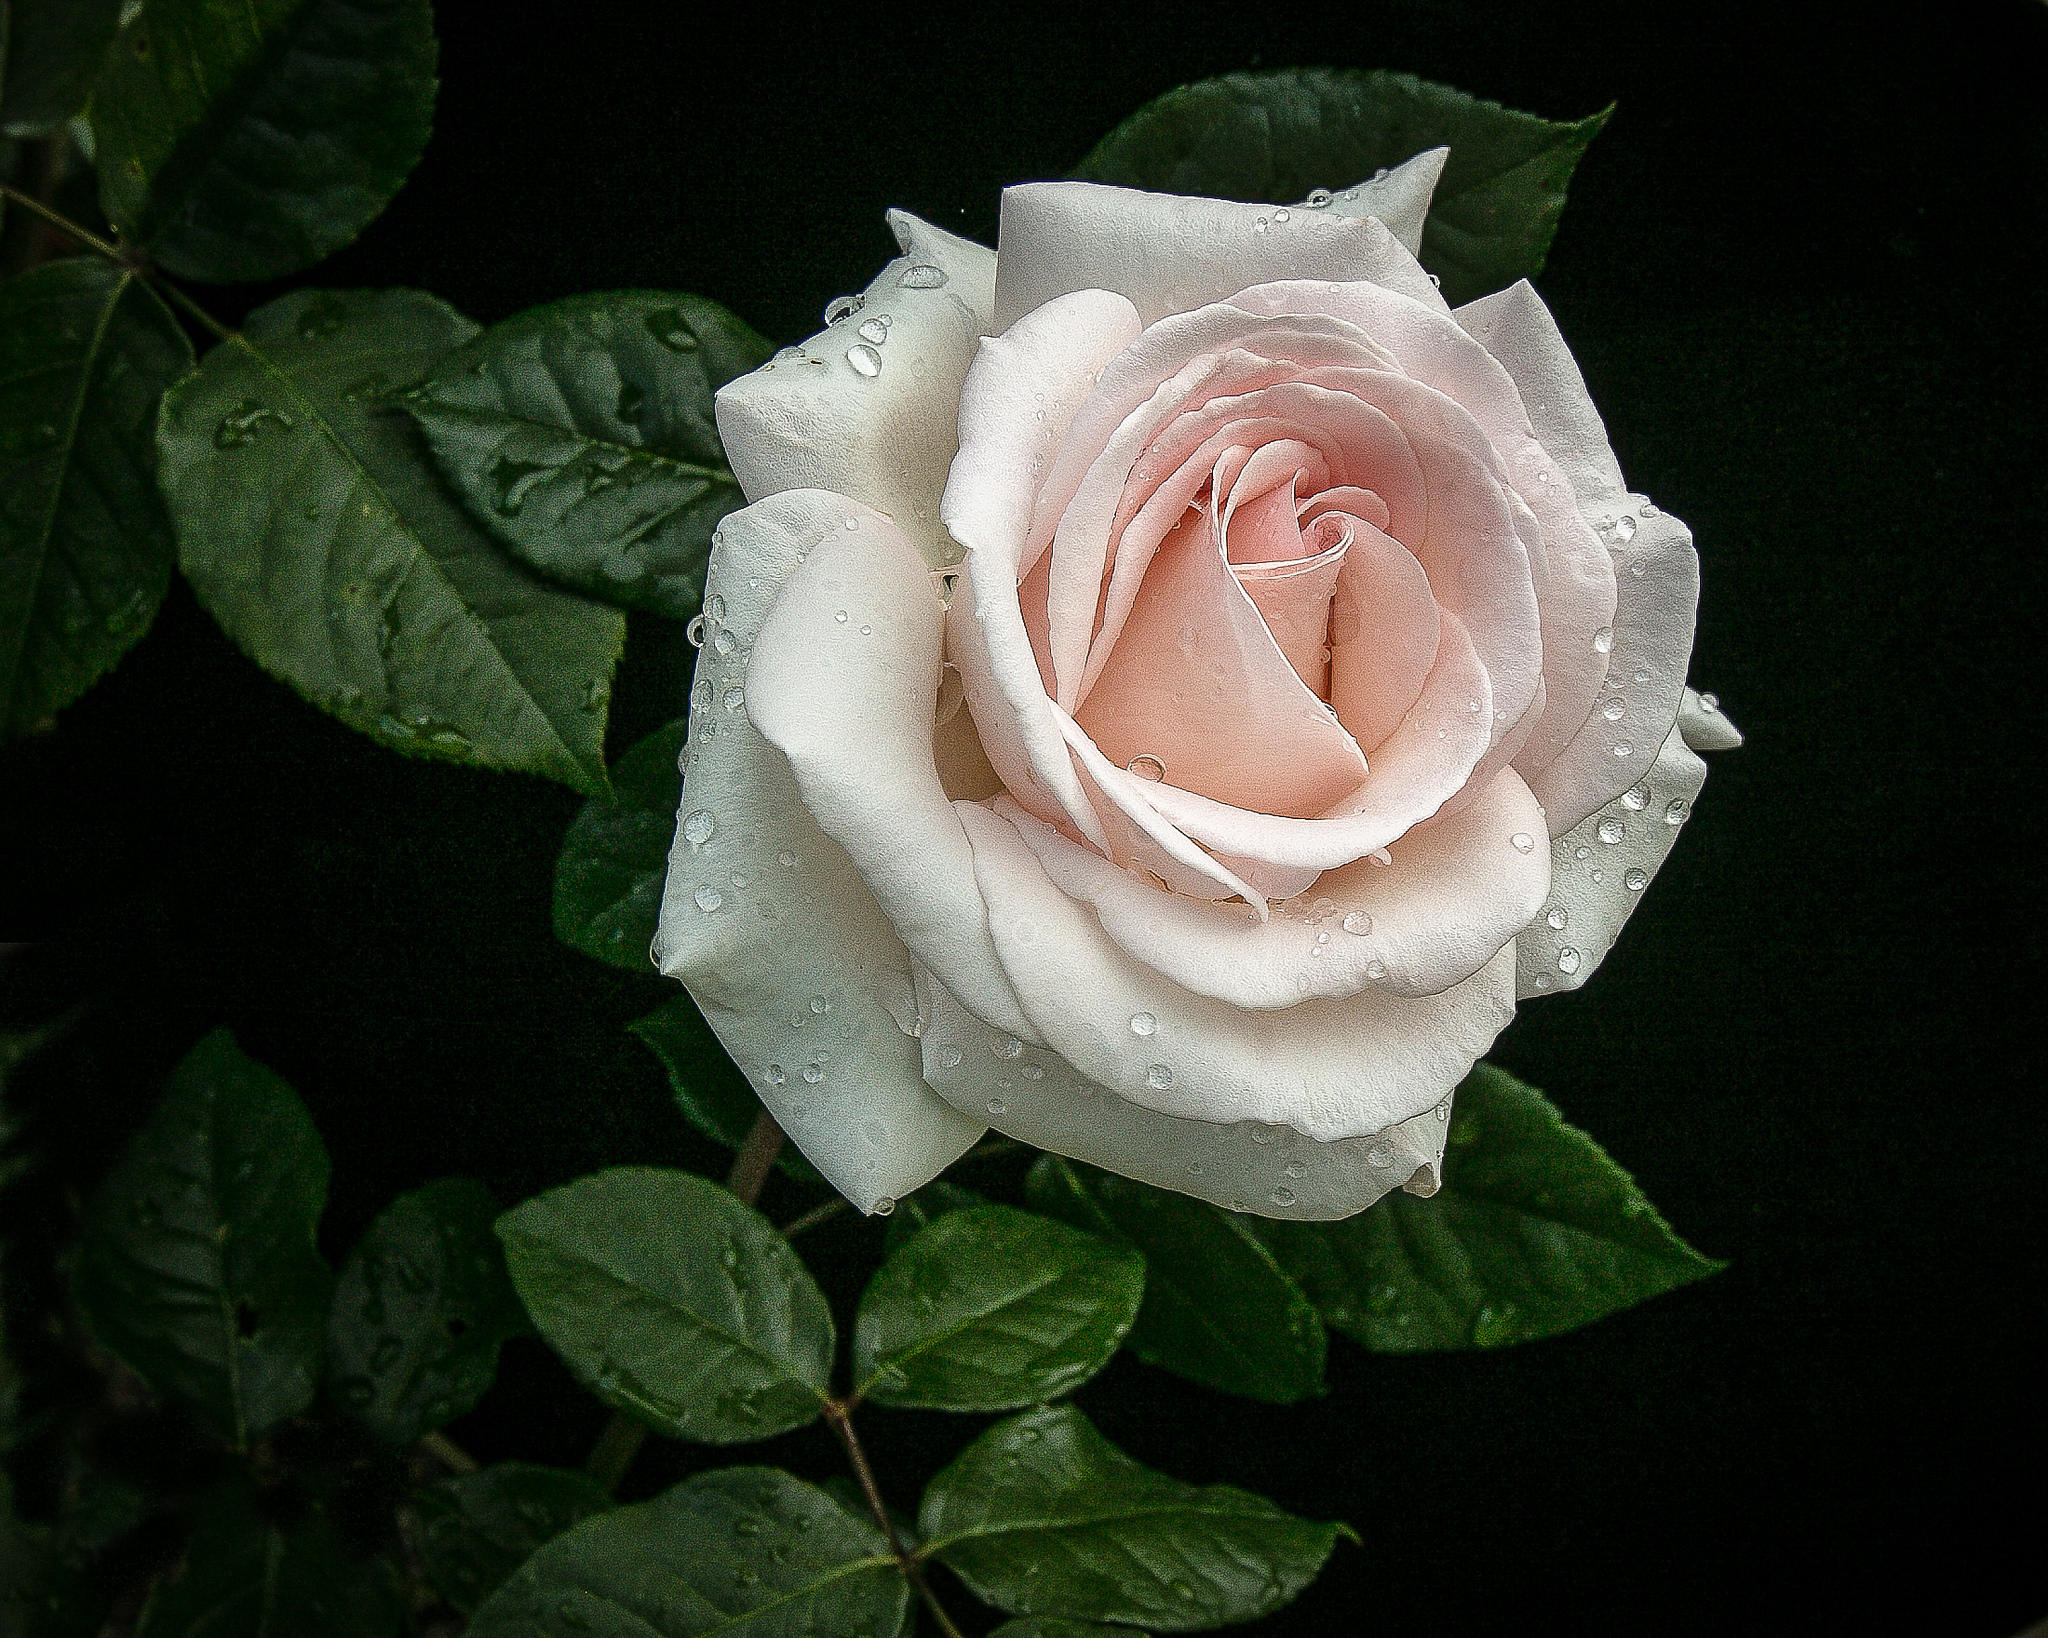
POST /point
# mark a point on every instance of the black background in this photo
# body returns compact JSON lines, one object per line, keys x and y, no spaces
{"x":1802,"y":271}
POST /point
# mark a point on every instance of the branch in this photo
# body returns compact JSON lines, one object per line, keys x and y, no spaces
{"x":840,"y":1415}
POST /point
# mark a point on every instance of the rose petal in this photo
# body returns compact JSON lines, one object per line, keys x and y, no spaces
{"x":819,"y":419}
{"x":1034,"y":1095}
{"x":1171,"y":254}
{"x":1294,"y":599}
{"x":1705,"y":725}
{"x":1400,"y":198}
{"x":1329,"y":1069}
{"x":1197,"y":682}
{"x":1384,"y":632}
{"x":793,"y":963}
{"x":1600,"y":868}
{"x":842,"y":681}
{"x":1647,"y":650}
{"x":1448,"y":896}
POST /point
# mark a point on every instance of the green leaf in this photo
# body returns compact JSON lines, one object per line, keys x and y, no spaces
{"x":198,"y":1266}
{"x":1534,"y":1231}
{"x":313,"y":527}
{"x":991,"y":1308}
{"x":1043,"y":1516}
{"x":476,"y":1529}
{"x":52,"y":56}
{"x":671,"y":1300}
{"x":1218,"y":1309}
{"x":580,"y":435}
{"x":1278,"y":136}
{"x":608,"y":878}
{"x":246,"y":1575}
{"x":915,"y":1212}
{"x":708,"y":1086}
{"x":86,"y":351}
{"x":747,"y":1552}
{"x":1037,"y":1626}
{"x":420,"y":1310}
{"x":247,"y":141}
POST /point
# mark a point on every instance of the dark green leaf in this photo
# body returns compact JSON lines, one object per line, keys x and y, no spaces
{"x":1037,"y":1626}
{"x":1043,"y":1516}
{"x":246,"y":1575}
{"x":991,"y":1308}
{"x":709,"y":1088}
{"x":313,"y":527}
{"x":86,"y":351}
{"x":52,"y":56}
{"x":1278,"y":136}
{"x":198,"y":1266}
{"x":475,"y":1530}
{"x":1218,"y":1309}
{"x":748,"y":1552}
{"x":247,"y":141}
{"x":580,"y":435}
{"x":420,"y":1310}
{"x":916,"y":1211}
{"x":1534,"y":1231}
{"x":608,"y":878}
{"x":670,"y":1299}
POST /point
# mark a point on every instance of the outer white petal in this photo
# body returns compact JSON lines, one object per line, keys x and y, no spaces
{"x":1329,"y":1069}
{"x":1705,"y":725}
{"x":793,"y":963}
{"x":1170,"y":254}
{"x":1400,"y":198}
{"x":1275,"y":1171}
{"x":813,"y":417}
{"x":1600,"y":869}
{"x":843,"y":682}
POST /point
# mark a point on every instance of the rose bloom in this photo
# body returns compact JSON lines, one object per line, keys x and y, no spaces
{"x":1176,"y":685}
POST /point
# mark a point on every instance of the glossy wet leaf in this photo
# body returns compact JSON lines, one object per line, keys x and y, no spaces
{"x":1218,"y":1308}
{"x":312,"y":525}
{"x":609,"y":875}
{"x":1279,"y":135}
{"x":581,"y":436}
{"x":86,"y":351}
{"x":671,"y":1300}
{"x":709,"y":1089}
{"x":419,"y":1312}
{"x":198,"y":1266}
{"x":1534,"y":1231}
{"x":747,"y":1552}
{"x":990,"y":1308}
{"x":52,"y":54}
{"x":915,"y":1212}
{"x":477,"y":1528}
{"x":247,"y":141}
{"x":249,"y":1573}
{"x":1041,"y":1515}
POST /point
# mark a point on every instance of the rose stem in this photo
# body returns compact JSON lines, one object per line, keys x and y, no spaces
{"x":840,"y":1414}
{"x":623,"y":1435}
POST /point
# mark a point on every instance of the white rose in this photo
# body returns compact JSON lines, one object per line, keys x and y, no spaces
{"x":1311,"y":686}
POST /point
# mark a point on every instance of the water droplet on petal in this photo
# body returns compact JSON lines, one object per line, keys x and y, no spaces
{"x":786,"y":859}
{"x":865,"y":360}
{"x":1159,"y":1077}
{"x":1008,"y":1047}
{"x":693,"y":633}
{"x":699,"y":829}
{"x":950,"y":1057}
{"x":1637,"y":796}
{"x":1636,"y":880}
{"x":1559,"y":918}
{"x":923,"y":276}
{"x":1143,"y":1023}
{"x":1296,"y":1170}
{"x":1375,"y":970}
{"x":708,"y":898}
{"x":814,"y":1073}
{"x":1677,"y":811}
{"x":1568,"y":960}
{"x":1603,"y":639}
{"x":775,"y":1075}
{"x":1611,"y":831}
{"x":1357,"y":921}
{"x":820,"y":1006}
{"x":873,"y":330}
{"x":1283,"y":1197}
{"x":1613,"y":710}
{"x":1148,"y":768}
{"x":1523,"y":841}
{"x":1318,"y":199}
{"x":996,"y":1106}
{"x":1622,"y":748}
{"x":841,"y":308}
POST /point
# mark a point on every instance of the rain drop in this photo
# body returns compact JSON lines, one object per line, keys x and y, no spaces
{"x":1357,"y":921}
{"x":950,"y":1057}
{"x":841,"y":308}
{"x":1637,"y":796}
{"x":873,"y":330}
{"x":1143,"y":1023}
{"x":923,"y":276}
{"x":1568,"y":960}
{"x":1008,"y":1047}
{"x":693,"y":633}
{"x":1636,"y":880}
{"x":699,"y":829}
{"x":735,"y":698}
{"x":1147,"y":768}
{"x":1603,"y":639}
{"x":1375,"y":970}
{"x":1614,"y":709}
{"x":708,"y":898}
{"x":996,"y":1106}
{"x":1318,"y":199}
{"x":1159,"y":1077}
{"x":786,"y":859}
{"x":1559,"y":918}
{"x":883,"y":1206}
{"x":1623,"y":531}
{"x":1523,"y":841}
{"x":864,"y":359}
{"x":1296,"y":1170}
{"x":814,"y":1073}
{"x":775,"y":1075}
{"x":820,"y":1006}
{"x":1283,"y":1197}
{"x":1677,"y":811}
{"x":1622,"y":748}
{"x":1612,"y":831}
{"x":724,"y":643}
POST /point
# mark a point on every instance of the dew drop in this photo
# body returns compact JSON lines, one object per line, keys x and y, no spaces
{"x":814,"y":1073}
{"x":775,"y":1075}
{"x":735,"y":698}
{"x":1375,"y":970}
{"x":693,"y":633}
{"x":820,"y":1006}
{"x":1159,"y":1077}
{"x":1636,"y":880}
{"x":950,"y":1057}
{"x":1523,"y":841}
{"x":841,"y":308}
{"x":1622,"y":532}
{"x":1381,"y":1153}
{"x":699,"y":828}
{"x":1677,"y":811}
{"x":1612,"y":831}
{"x":1148,"y":768}
{"x":1143,"y":1023}
{"x":840,"y":617}
{"x":786,"y":859}
{"x":1357,"y":921}
{"x":1280,"y":215}
{"x":1559,"y":918}
{"x":1603,"y":639}
{"x":1710,"y":703}
{"x":1318,"y":199}
{"x":708,"y":898}
{"x":724,"y":643}
{"x":1283,"y":1196}
{"x":883,"y":1206}
{"x":1568,"y":960}
{"x":1008,"y":1047}
{"x":1296,"y":1170}
{"x":1622,"y":748}
{"x":864,"y":359}
{"x":1614,"y":709}
{"x":923,"y":276}
{"x":996,"y":1106}
{"x":873,"y":330}
{"x":1637,"y":796}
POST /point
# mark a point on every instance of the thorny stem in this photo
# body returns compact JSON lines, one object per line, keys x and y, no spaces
{"x":24,"y":244}
{"x":840,"y":1415}
{"x":812,"y":1218}
{"x":114,"y":253}
{"x":623,"y":1435}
